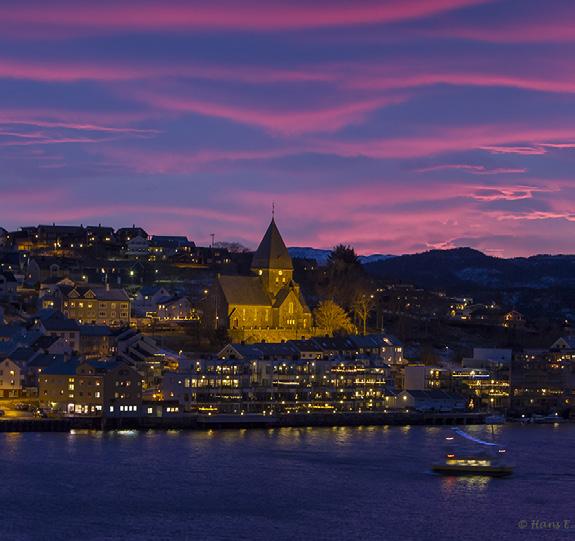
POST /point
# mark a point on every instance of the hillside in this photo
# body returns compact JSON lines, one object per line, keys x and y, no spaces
{"x":540,"y":283}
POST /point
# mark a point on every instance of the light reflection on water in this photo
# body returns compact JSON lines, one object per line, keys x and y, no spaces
{"x":288,"y":483}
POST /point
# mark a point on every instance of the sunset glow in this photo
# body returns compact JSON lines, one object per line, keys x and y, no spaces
{"x":392,"y":126}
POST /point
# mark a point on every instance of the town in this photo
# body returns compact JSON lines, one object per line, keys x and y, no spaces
{"x":119,"y":326}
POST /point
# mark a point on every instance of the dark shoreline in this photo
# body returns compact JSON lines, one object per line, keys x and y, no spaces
{"x":209,"y":422}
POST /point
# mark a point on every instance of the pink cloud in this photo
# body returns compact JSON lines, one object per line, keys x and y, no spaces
{"x":473,"y":169}
{"x":286,"y":122}
{"x":551,"y":23}
{"x":250,"y":15}
{"x":507,"y":193}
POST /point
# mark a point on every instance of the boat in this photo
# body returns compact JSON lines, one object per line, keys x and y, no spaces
{"x":488,"y":460}
{"x":551,"y":419}
{"x":547,"y":419}
{"x":495,"y":419}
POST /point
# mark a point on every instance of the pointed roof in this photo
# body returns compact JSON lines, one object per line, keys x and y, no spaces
{"x":272,"y":252}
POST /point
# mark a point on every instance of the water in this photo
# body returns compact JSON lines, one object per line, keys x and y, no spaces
{"x":300,"y":484}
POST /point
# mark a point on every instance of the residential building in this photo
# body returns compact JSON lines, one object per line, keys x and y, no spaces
{"x":94,"y":305}
{"x":100,"y":388}
{"x":148,"y":298}
{"x":175,"y":308}
{"x":431,"y":401}
{"x":10,"y":378}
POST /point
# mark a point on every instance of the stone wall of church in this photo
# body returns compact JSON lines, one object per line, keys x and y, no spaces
{"x":250,"y":336}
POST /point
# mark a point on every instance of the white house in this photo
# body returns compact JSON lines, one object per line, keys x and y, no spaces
{"x":148,"y":299}
{"x":138,"y":246}
{"x":10,"y":378}
{"x":175,"y":308}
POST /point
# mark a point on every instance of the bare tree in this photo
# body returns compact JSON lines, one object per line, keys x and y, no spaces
{"x":363,"y":305}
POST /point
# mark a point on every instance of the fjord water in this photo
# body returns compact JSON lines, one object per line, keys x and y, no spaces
{"x":316,"y":483}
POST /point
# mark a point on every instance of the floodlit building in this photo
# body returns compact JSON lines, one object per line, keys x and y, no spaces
{"x":268,"y":304}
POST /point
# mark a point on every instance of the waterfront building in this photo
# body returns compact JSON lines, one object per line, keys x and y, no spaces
{"x":431,"y":401}
{"x":288,"y":385}
{"x":109,"y":388}
{"x":542,"y":384}
{"x":419,"y":377}
{"x":10,"y":378}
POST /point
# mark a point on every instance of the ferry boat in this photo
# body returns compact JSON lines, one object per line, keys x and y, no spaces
{"x":489,"y":460}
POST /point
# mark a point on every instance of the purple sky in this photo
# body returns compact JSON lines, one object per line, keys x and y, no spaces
{"x":395,"y":126}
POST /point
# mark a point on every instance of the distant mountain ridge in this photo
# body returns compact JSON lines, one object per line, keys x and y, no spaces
{"x":464,"y":267}
{"x":537,"y":285}
{"x":321,"y":256}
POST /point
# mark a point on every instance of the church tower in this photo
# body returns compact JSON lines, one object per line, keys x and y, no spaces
{"x":272,"y":262}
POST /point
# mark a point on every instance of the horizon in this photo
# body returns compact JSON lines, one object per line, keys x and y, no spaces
{"x":392,"y":127}
{"x":253,"y":248}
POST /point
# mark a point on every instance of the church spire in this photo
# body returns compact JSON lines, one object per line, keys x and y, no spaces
{"x":272,"y":252}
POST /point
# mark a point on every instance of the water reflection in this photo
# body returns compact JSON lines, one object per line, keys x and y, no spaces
{"x":457,"y":485}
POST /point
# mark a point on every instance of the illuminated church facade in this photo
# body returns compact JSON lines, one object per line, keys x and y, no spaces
{"x":267,"y":305}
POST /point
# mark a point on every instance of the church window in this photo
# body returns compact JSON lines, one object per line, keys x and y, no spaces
{"x":243,"y":314}
{"x":267,"y":315}
{"x":290,"y":308}
{"x":280,"y":273}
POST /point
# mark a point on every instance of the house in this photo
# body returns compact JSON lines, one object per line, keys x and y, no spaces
{"x":96,"y":341}
{"x":100,"y":388}
{"x":42,"y":268}
{"x":63,"y":328}
{"x":138,"y":246}
{"x":162,"y":408}
{"x":38,"y":364}
{"x":125,"y":234}
{"x":489,"y":358}
{"x":167,"y":246}
{"x":266,"y":305}
{"x":565,"y":344}
{"x":175,"y":308}
{"x":419,"y":377}
{"x":10,"y":378}
{"x":148,"y":298}
{"x":8,"y":285}
{"x":94,"y":305}
{"x":514,"y":320}
{"x":429,"y":401}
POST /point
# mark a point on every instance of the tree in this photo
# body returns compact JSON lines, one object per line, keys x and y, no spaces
{"x":362,"y":307}
{"x":232,"y":247}
{"x":332,"y":318}
{"x":344,"y":276}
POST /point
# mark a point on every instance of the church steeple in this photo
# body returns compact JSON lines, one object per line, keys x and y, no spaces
{"x":272,"y":252}
{"x":272,"y":262}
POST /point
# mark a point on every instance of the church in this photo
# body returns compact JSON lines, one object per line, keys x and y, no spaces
{"x":266,"y":305}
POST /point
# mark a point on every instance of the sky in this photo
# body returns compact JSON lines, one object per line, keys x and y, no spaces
{"x":393,"y":126}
